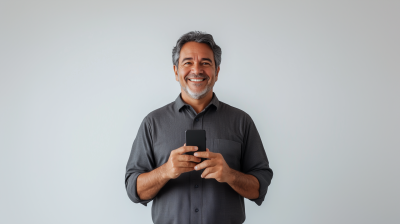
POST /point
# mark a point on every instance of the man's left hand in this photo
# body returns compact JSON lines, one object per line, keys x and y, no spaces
{"x":215,"y":167}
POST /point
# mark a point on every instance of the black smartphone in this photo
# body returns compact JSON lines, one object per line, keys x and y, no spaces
{"x":196,"y":138}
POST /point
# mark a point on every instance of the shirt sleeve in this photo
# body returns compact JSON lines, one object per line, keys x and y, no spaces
{"x":141,"y":160}
{"x":255,"y":161}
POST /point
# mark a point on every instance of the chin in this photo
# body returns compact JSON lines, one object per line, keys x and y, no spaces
{"x":198,"y":94}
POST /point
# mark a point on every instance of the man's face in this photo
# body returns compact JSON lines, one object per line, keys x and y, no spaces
{"x":196,"y":71}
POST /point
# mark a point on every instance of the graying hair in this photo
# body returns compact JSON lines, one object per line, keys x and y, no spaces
{"x":199,"y":37}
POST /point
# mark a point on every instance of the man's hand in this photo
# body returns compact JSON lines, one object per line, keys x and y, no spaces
{"x":178,"y":163}
{"x":149,"y":184}
{"x":215,"y":167}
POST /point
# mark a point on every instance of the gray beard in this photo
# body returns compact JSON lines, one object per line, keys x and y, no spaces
{"x":193,"y":95}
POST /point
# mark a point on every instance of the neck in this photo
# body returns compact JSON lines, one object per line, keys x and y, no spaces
{"x":200,"y":104}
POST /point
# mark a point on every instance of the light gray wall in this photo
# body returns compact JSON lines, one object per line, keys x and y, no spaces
{"x":320,"y":79}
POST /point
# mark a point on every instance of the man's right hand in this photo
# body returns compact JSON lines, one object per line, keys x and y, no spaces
{"x":179,"y":163}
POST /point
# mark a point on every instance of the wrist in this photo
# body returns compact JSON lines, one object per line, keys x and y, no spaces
{"x":163,"y":172}
{"x":231,"y":176}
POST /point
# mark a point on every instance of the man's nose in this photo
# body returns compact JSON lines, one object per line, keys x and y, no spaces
{"x":197,"y":68}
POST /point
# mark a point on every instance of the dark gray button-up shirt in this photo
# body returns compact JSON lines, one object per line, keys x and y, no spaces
{"x":190,"y":198}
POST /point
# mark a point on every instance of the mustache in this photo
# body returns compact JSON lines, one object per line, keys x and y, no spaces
{"x":196,"y":76}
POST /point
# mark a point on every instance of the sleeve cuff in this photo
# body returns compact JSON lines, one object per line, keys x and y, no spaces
{"x":130,"y":184}
{"x":263,"y":187}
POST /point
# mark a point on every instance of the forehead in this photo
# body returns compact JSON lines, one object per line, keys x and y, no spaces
{"x":194,"y":50}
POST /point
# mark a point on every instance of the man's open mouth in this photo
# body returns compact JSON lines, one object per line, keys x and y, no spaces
{"x":197,"y":80}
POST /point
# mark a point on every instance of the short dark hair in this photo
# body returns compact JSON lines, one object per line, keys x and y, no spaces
{"x":199,"y":37}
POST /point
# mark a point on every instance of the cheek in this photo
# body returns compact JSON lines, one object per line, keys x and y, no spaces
{"x":213,"y":78}
{"x":182,"y":78}
{"x":182,"y":73}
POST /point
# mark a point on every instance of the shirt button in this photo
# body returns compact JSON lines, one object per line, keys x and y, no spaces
{"x":196,"y":210}
{"x":197,"y":119}
{"x":196,"y":186}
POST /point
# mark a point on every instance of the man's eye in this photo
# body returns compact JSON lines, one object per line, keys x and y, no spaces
{"x":206,"y":63}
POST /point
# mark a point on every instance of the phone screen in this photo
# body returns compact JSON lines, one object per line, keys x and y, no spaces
{"x":196,"y":138}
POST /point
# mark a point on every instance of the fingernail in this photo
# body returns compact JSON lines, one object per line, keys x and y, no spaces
{"x":195,"y":167}
{"x":196,"y":148}
{"x":195,"y":154}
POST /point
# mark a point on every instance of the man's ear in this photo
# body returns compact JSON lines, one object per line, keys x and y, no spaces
{"x":176,"y":73}
{"x":216,"y":74}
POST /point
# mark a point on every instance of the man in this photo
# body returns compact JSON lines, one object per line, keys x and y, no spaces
{"x":182,"y":189}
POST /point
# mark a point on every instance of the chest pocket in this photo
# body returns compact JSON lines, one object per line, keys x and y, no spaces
{"x":230,"y":150}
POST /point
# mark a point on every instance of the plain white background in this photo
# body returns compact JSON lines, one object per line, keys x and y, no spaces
{"x":319,"y":78}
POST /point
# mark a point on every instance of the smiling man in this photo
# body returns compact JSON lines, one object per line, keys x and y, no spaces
{"x":184,"y":190}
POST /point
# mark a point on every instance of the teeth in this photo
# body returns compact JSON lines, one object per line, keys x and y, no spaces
{"x":196,"y":80}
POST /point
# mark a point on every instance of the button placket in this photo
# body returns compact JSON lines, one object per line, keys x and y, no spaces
{"x":197,"y":122}
{"x":196,"y":196}
{"x":196,"y":193}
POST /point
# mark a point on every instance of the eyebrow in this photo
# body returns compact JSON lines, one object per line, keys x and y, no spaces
{"x":203,"y":59}
{"x":187,"y":59}
{"x":206,"y":59}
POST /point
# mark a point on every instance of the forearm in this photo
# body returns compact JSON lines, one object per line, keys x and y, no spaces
{"x":149,"y":184}
{"x":244,"y":184}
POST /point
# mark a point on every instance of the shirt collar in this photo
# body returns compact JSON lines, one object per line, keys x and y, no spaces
{"x":179,"y":102}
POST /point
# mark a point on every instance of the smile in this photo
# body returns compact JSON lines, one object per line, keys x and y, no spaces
{"x":197,"y":80}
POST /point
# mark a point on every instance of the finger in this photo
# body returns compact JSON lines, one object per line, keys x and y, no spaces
{"x":185,"y":169}
{"x":205,"y":164}
{"x":185,"y":164}
{"x":184,"y":158}
{"x":206,"y":154}
{"x":207,"y":150}
{"x":210,"y":176}
{"x":184,"y":149}
{"x":208,"y":171}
